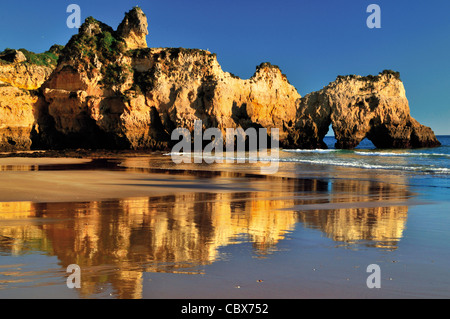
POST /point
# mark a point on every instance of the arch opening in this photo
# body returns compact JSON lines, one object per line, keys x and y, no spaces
{"x":366,"y":144}
{"x":330,"y":139}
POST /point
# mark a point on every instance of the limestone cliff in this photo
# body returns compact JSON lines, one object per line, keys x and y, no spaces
{"x":21,"y":74}
{"x":107,"y":89}
{"x":24,"y":75}
{"x":16,"y":117}
{"x":357,"y":107}
{"x":104,"y":95}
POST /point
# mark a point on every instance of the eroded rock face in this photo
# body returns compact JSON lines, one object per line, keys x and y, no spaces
{"x":357,"y":107}
{"x":13,"y":56}
{"x":163,"y":90}
{"x":102,"y":94}
{"x":16,"y":117}
{"x":23,"y":75}
{"x":19,"y":99}
{"x":134,"y":29}
{"x":189,"y":85}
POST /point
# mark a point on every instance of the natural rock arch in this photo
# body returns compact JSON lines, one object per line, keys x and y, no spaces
{"x":373,"y":107}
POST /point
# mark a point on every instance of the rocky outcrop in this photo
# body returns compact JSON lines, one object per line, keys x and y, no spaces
{"x":24,"y":75}
{"x":134,"y":29}
{"x":19,"y":98}
{"x":16,"y":117}
{"x":373,"y":107}
{"x":13,"y":56}
{"x":189,"y":85}
{"x":165,"y":89}
{"x":109,"y":90}
{"x":103,"y":94}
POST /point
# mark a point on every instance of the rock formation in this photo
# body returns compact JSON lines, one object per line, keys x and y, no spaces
{"x":19,"y":97}
{"x":16,"y":117}
{"x":134,"y":29}
{"x":103,"y":94}
{"x":109,"y":90}
{"x":14,"y":56}
{"x":373,"y":107}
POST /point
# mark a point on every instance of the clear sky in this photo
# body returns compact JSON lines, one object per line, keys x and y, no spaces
{"x":312,"y":41}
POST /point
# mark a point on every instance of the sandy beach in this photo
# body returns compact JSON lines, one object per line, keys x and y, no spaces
{"x":143,"y":227}
{"x":75,"y":180}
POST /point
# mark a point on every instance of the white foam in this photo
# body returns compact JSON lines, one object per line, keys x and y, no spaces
{"x":400,"y":154}
{"x":336,"y":162}
{"x":424,"y":169}
{"x":312,"y":151}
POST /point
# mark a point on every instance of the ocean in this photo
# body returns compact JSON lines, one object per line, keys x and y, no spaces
{"x":425,"y":161}
{"x":427,"y":167}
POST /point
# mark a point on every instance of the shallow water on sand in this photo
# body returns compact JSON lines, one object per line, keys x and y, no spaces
{"x":220,"y":231}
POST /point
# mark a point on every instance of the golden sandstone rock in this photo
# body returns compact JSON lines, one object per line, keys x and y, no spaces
{"x":109,"y":90}
{"x":357,"y":107}
{"x":134,"y":29}
{"x":19,"y":98}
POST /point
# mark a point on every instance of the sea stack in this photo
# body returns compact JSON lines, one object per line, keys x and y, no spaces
{"x":357,"y":107}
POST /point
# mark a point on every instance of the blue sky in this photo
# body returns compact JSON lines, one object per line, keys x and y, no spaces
{"x":313,"y":41}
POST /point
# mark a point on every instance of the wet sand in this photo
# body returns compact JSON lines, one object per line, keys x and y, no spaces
{"x":141,"y":227}
{"x":73,"y":180}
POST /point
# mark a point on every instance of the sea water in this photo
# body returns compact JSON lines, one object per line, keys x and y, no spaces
{"x":366,"y":156}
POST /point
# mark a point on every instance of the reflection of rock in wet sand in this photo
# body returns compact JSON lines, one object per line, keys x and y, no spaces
{"x":19,"y":239}
{"x":377,"y":218}
{"x":381,"y":226}
{"x":116,"y":241}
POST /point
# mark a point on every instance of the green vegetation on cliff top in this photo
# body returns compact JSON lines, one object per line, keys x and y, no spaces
{"x":97,"y":43}
{"x":48,"y":58}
